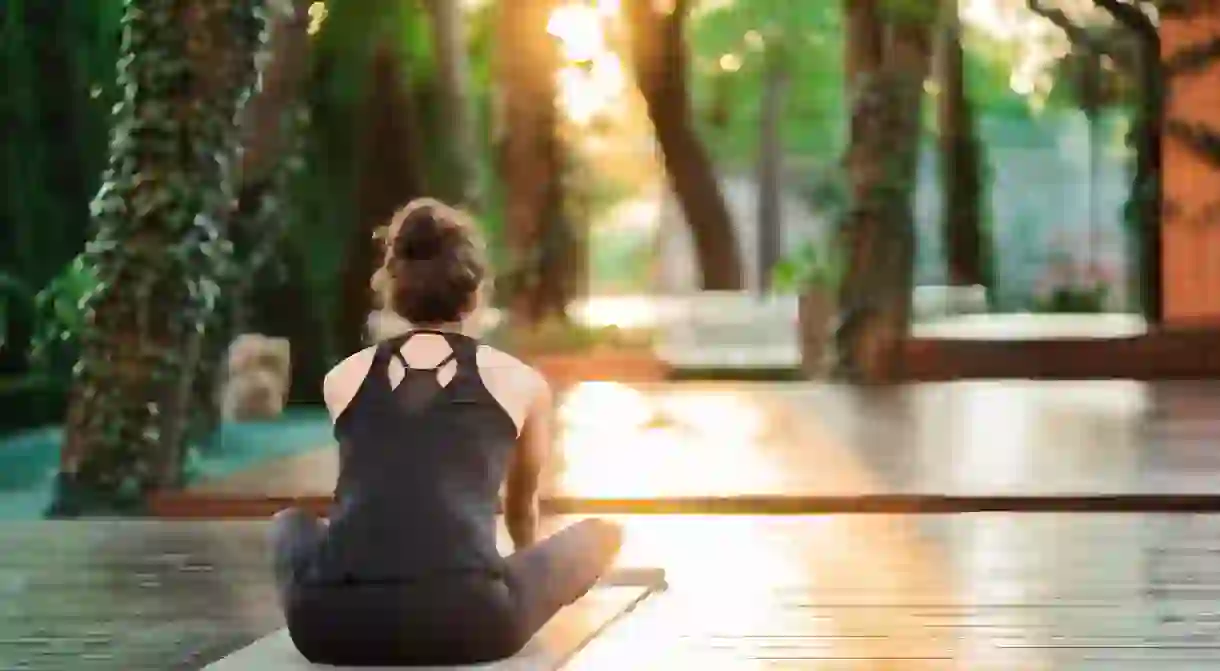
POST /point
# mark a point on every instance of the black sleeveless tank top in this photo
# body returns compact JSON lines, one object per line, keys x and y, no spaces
{"x":420,"y":469}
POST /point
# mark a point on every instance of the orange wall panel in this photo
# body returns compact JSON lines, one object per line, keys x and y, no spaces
{"x":1190,"y":251}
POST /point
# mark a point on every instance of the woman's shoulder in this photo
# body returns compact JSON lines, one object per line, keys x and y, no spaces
{"x":340,"y":385}
{"x":355,"y":363}
{"x":501,"y":364}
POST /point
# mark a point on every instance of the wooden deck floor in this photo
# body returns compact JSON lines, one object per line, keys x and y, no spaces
{"x":933,"y":447}
{"x":972,"y":592}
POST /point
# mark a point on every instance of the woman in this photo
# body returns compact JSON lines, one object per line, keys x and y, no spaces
{"x":430,"y":424}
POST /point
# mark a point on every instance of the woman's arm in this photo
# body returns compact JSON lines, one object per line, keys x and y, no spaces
{"x":529,"y":457}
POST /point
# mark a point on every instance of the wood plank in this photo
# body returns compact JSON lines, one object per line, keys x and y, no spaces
{"x":1118,"y":446}
{"x":979,"y":592}
{"x":558,"y":641}
{"x":1160,"y":354}
{"x":187,"y":506}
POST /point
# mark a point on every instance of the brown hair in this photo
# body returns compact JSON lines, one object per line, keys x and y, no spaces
{"x":433,"y":266}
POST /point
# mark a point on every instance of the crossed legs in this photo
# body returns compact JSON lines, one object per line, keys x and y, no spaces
{"x":542,"y":578}
{"x":558,"y":570}
{"x":294,"y":534}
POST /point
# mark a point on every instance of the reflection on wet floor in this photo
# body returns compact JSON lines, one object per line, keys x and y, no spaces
{"x":744,"y":589}
{"x":617,"y":441}
{"x":995,"y":592}
{"x":975,"y":592}
{"x":969,"y":438}
{"x":989,"y":591}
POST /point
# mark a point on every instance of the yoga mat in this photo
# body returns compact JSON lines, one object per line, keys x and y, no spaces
{"x":564,"y":636}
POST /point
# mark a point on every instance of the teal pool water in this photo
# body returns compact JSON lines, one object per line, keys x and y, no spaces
{"x":30,"y":460}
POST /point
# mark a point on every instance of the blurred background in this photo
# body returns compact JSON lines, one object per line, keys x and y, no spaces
{"x":712,"y":185}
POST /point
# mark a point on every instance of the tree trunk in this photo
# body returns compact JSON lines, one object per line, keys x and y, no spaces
{"x":882,"y":164}
{"x":262,"y":120}
{"x":863,"y":46}
{"x":658,"y":55}
{"x":770,"y":162}
{"x":453,"y":77}
{"x":1146,"y":199}
{"x":257,"y":224}
{"x":158,"y":248}
{"x":389,"y":176}
{"x":530,"y":162}
{"x":1145,"y":204}
{"x":965,"y":248}
{"x":560,"y":259}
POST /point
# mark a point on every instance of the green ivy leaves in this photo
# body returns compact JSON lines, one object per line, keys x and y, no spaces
{"x":161,"y":241}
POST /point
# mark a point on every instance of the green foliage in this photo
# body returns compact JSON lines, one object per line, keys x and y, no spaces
{"x":325,"y":190}
{"x":480,"y":34}
{"x":989,"y":64}
{"x":160,"y":244}
{"x":812,"y":266}
{"x":1074,"y":300}
{"x":909,"y":11}
{"x":57,"y":64}
{"x":14,"y":293}
{"x":726,"y":103}
{"x":1071,"y":285}
{"x":60,"y":320}
{"x":622,"y":260}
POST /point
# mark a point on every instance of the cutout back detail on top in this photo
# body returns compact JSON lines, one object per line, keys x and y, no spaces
{"x":420,"y":469}
{"x":419,"y":386}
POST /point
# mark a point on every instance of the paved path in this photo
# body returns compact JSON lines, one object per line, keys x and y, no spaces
{"x":957,"y":439}
{"x":970,"y":592}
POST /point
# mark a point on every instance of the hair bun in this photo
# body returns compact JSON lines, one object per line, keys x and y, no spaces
{"x":434,"y":267}
{"x":424,"y":238}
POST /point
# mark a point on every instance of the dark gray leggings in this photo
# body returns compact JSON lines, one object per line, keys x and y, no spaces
{"x":542,"y":578}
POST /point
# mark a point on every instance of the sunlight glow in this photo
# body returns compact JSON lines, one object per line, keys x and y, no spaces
{"x":730,"y":62}
{"x":754,"y":40}
{"x":317,"y":15}
{"x":1039,"y":44}
{"x":617,"y":441}
{"x":625,"y":312}
{"x":592,"y":79}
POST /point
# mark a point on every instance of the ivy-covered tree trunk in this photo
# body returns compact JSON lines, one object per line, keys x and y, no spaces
{"x":530,"y":162}
{"x":889,"y":56}
{"x":659,"y":60}
{"x":270,"y":127}
{"x":1140,"y":60}
{"x":159,"y":245}
{"x":389,"y":176}
{"x":966,"y":247}
{"x":1145,"y":202}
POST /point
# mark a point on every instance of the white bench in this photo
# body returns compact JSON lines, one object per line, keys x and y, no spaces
{"x":934,"y":301}
{"x":550,"y":649}
{"x":742,"y":330}
{"x":730,"y":330}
